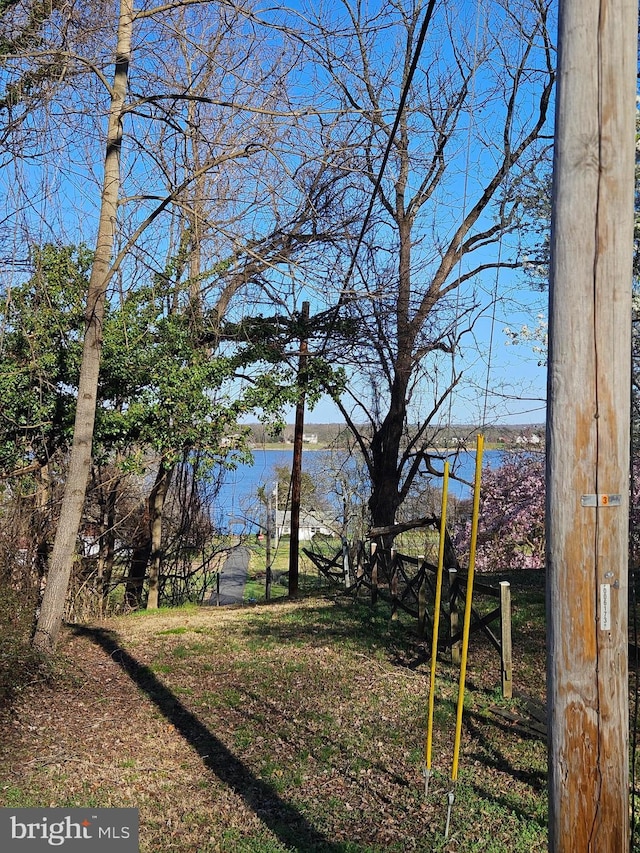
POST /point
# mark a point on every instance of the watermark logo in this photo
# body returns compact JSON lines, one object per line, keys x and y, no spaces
{"x":74,"y":830}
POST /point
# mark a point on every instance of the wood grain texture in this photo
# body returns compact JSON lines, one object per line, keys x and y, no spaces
{"x":588,"y":425}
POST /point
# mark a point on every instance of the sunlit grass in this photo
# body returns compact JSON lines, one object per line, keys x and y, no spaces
{"x":324,"y":703}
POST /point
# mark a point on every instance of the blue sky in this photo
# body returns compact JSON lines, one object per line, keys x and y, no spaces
{"x":514,"y":372}
{"x":64,"y":193}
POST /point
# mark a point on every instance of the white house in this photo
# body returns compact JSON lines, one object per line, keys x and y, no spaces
{"x":310,"y":524}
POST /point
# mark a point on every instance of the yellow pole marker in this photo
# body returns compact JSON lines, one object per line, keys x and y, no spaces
{"x":436,"y":625}
{"x":467,"y":623}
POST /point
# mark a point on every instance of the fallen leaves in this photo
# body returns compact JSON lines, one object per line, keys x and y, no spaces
{"x":327,"y":737}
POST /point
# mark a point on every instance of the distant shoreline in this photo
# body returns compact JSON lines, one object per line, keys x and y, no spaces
{"x":322,"y":437}
{"x":439,"y":451}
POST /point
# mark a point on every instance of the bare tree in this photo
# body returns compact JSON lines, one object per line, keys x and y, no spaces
{"x":61,"y":559}
{"x":473,"y":125}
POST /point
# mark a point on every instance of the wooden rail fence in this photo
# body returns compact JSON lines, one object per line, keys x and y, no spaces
{"x":408,"y":583}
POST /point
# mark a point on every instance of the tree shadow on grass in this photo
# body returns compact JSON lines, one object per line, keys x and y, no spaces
{"x":336,"y":621}
{"x":490,"y":755}
{"x":291,"y":827}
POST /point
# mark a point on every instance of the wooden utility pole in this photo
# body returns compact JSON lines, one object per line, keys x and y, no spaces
{"x":588,"y":426}
{"x":268,"y":572}
{"x":296,"y":468}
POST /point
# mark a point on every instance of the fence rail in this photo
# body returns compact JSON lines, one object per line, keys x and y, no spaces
{"x":408,"y":583}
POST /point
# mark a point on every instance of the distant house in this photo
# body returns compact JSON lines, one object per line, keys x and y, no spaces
{"x":89,"y":540}
{"x":310,"y":437}
{"x":534,"y":438}
{"x":310,"y":524}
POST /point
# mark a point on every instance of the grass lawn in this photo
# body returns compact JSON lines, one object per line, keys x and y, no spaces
{"x":309,"y":580}
{"x":289,"y":726}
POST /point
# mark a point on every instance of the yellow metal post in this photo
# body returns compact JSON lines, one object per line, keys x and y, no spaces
{"x":436,"y":625}
{"x":467,"y":621}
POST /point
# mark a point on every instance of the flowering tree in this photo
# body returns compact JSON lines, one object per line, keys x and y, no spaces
{"x":511,"y":529}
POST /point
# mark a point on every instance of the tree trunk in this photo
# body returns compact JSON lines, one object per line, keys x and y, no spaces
{"x":138,"y":570}
{"x":61,"y":561}
{"x":106,"y":556}
{"x":42,"y":521}
{"x":386,"y":474}
{"x":157,"y":500}
{"x":385,"y":453}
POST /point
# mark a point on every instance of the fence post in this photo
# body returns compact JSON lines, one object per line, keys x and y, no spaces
{"x":453,"y":615}
{"x":505,"y":645}
{"x":374,"y":573}
{"x":360,"y":562}
{"x":422,"y":600}
{"x":345,"y":562}
{"x":393,"y":583}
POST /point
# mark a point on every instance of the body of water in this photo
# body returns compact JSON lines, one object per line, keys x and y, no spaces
{"x":237,"y":504}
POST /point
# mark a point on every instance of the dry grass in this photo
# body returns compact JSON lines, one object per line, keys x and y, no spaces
{"x":293,"y":726}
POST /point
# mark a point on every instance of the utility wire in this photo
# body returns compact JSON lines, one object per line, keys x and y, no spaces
{"x":387,"y":153}
{"x":385,"y":159}
{"x":465,"y":192}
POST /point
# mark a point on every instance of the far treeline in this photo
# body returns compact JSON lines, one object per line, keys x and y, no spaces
{"x":335,"y":435}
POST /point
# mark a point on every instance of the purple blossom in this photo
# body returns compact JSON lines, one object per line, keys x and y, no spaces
{"x":511,"y":531}
{"x":511,"y":524}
